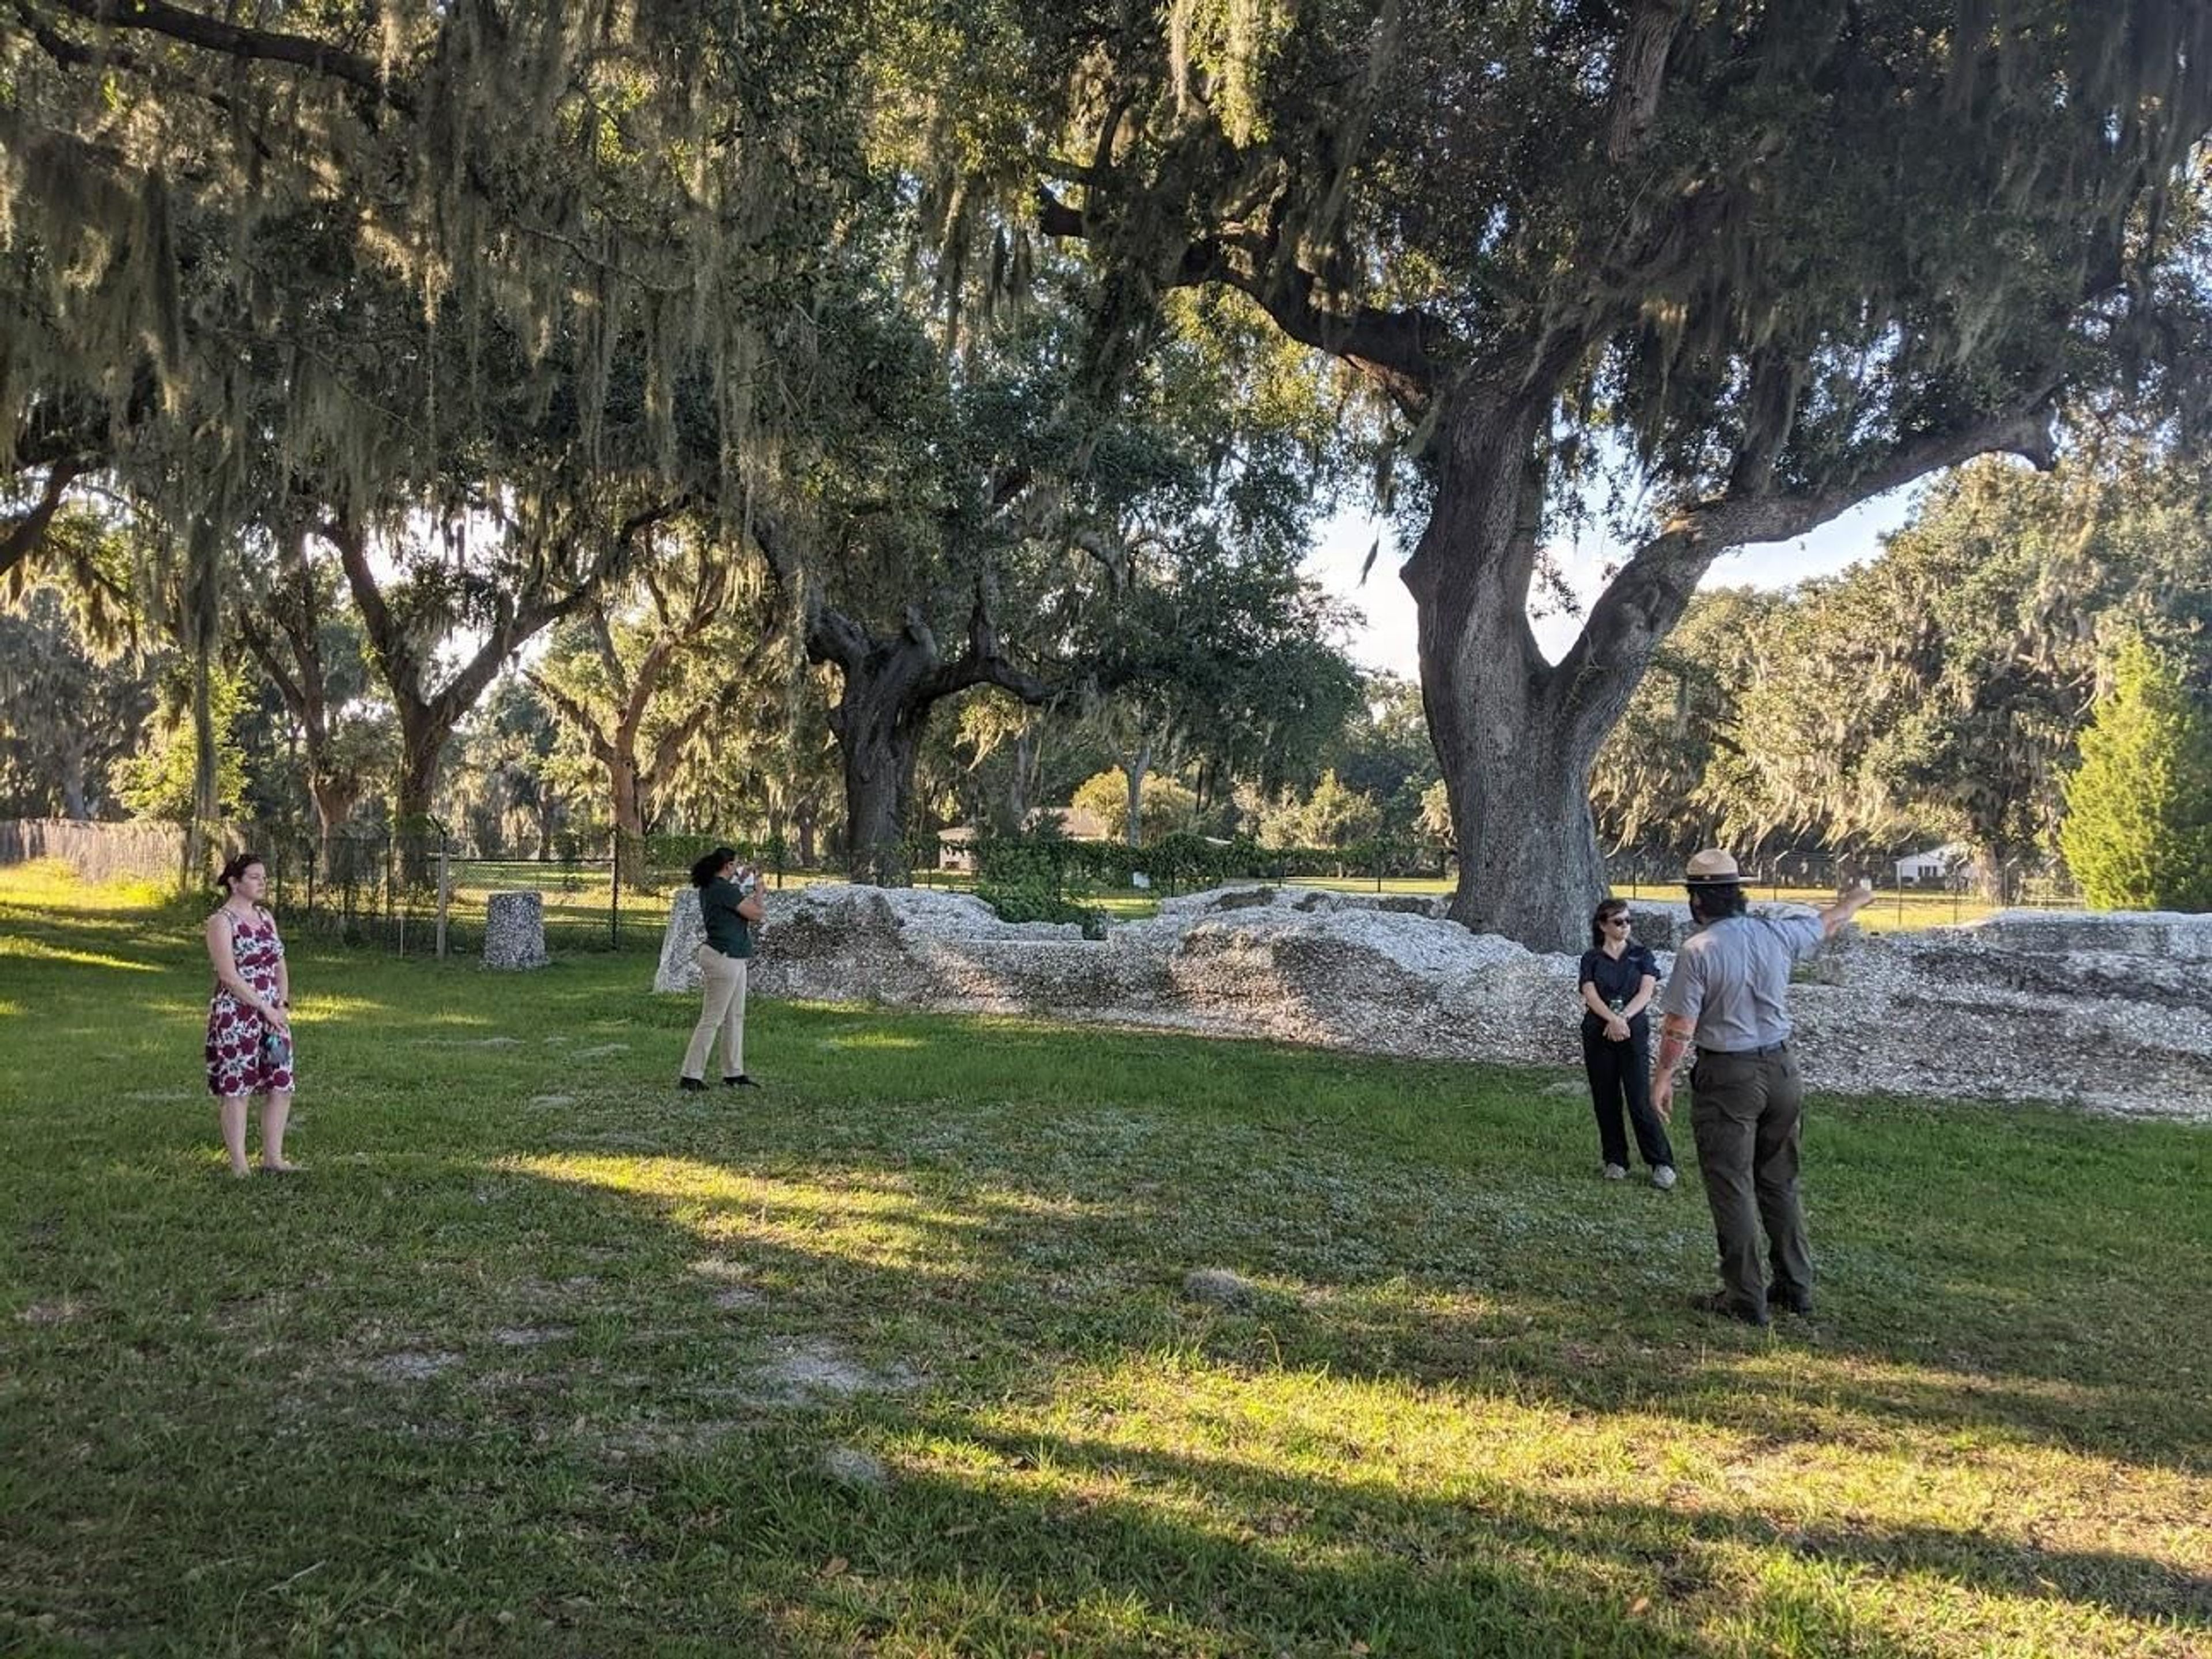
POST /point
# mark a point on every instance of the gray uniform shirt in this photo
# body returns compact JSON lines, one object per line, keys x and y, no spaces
{"x":1732,"y":980}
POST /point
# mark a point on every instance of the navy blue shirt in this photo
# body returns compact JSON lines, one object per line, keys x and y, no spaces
{"x":1617,"y":979}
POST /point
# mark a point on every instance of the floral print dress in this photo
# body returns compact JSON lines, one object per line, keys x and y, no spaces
{"x":244,"y":1056}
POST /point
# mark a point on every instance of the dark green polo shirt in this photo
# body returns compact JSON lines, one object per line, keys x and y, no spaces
{"x":727,"y":931}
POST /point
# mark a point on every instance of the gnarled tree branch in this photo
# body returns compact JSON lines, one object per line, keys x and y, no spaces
{"x":24,"y":534}
{"x":1646,"y":599}
{"x":215,"y":34}
{"x":1396,"y":347}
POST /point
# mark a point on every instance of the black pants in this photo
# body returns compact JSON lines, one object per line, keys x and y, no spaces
{"x":1620,"y":1073}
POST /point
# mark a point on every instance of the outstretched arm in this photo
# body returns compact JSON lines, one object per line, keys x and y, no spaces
{"x":1849,"y":902}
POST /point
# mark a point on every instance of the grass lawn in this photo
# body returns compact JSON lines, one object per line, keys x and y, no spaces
{"x":895,"y":1358}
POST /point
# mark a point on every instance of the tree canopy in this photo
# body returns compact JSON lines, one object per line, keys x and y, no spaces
{"x":1732,"y":267}
{"x":1015,"y":351}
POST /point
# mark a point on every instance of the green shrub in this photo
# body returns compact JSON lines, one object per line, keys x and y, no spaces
{"x":1033,"y":879}
{"x":2137,"y":834}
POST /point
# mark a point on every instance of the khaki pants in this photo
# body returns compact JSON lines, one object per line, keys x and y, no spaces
{"x":1747,"y":1110}
{"x":724,"y":982}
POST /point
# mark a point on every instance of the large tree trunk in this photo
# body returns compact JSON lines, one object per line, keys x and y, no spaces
{"x":422,"y":746}
{"x":1134,"y":770}
{"x":629,"y":812}
{"x":1515,"y":760}
{"x":334,"y":800}
{"x":879,"y":729}
{"x":890,"y":685}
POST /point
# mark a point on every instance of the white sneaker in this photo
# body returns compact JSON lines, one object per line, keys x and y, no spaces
{"x":1663,"y":1177}
{"x":1614,"y":1172}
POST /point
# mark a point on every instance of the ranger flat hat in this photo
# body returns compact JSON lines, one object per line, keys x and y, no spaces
{"x":1714,"y":866}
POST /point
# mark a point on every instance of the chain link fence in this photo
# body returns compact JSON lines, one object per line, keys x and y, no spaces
{"x":1928,"y":890}
{"x":424,"y":893}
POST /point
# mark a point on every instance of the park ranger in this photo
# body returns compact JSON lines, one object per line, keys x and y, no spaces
{"x":1728,"y":994}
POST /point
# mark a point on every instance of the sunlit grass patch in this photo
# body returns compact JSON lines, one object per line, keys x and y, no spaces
{"x":872,"y":1222}
{"x":18,"y":947}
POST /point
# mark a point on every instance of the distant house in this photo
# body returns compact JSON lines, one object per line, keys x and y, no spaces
{"x":1076,"y":822}
{"x":1937,"y":864}
{"x":956,"y":848}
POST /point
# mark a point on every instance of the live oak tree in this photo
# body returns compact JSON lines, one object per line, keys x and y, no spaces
{"x":1938,"y":690}
{"x":938,"y":523}
{"x":308,"y":254}
{"x":1744,"y":264}
{"x":643,"y":676}
{"x":1228,"y":660}
{"x":766,"y":767}
{"x":505,"y":789}
{"x":894,"y":533}
{"x":310,"y":648}
{"x":2019,"y":588}
{"x":1383,"y":753}
{"x":597,"y":177}
{"x":163,"y":778}
{"x":1338,"y":817}
{"x":1675,"y":772}
{"x":507,"y":570}
{"x":69,"y":712}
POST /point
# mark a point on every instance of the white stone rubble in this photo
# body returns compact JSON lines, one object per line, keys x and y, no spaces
{"x":2109,"y":1012}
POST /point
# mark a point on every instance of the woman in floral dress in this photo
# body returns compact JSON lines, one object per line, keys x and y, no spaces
{"x":249,"y":1032}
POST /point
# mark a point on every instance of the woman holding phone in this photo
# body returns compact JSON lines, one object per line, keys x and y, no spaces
{"x":730,"y":906}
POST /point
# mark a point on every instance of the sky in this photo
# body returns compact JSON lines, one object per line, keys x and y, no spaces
{"x":1384,"y":637}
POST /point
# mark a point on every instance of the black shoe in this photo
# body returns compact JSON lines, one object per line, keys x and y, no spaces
{"x":740,"y":1081}
{"x":1792,"y":1301}
{"x":1720,"y":1302}
{"x":690,"y":1082}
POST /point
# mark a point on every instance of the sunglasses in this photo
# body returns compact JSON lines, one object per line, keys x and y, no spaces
{"x":1616,"y":921}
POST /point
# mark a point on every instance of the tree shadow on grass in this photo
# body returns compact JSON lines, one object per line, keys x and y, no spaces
{"x":971,"y":1278}
{"x":1508,"y":1562}
{"x":1009,"y":1304}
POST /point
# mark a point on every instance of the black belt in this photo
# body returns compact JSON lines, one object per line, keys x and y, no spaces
{"x":1760,"y":1053}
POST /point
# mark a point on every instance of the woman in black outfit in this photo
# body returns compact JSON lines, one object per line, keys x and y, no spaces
{"x":1618,"y":979}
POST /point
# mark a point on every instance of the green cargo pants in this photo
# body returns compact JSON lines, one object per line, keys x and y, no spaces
{"x":1747,"y":1109}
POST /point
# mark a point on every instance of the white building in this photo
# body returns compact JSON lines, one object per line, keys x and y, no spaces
{"x":1936,"y":865}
